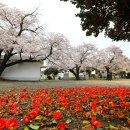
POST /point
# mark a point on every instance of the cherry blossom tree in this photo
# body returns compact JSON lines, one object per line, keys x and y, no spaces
{"x":22,"y":39}
{"x":73,"y":58}
{"x":111,"y":59}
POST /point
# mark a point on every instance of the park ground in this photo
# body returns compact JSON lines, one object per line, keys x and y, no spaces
{"x":100,"y":108}
{"x":63,"y":83}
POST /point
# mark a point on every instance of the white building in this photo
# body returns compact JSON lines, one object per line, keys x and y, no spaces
{"x":23,"y":71}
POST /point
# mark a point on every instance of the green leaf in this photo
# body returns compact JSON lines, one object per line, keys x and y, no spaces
{"x":39,"y":117}
{"x":34,"y":127}
{"x":54,"y":122}
{"x":112,"y":127}
{"x":85,"y":122}
{"x":26,"y":128}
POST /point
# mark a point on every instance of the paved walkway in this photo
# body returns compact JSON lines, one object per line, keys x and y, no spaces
{"x":64,"y":83}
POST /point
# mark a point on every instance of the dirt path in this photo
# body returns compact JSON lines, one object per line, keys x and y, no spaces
{"x":64,"y":83}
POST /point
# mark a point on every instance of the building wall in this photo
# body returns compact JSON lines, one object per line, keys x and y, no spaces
{"x":23,"y":71}
{"x":43,"y":68}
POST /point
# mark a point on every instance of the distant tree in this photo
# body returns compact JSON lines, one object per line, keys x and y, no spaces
{"x":88,"y":70}
{"x":51,"y":71}
{"x":128,"y":75}
{"x":73,"y":58}
{"x":112,"y":60}
{"x":111,"y":16}
{"x":22,"y":39}
{"x":122,"y":74}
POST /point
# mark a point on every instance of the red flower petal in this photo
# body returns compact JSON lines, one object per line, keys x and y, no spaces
{"x":26,"y":119}
{"x":62,"y":126}
{"x":57,"y":115}
{"x":2,"y":123}
{"x":12,"y":123}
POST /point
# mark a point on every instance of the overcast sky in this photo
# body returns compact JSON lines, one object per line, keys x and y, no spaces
{"x":58,"y":16}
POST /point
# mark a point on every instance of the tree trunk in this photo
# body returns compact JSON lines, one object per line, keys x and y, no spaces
{"x":76,"y":72}
{"x":2,"y":68}
{"x":77,"y":77}
{"x":53,"y":76}
{"x":109,"y":74}
{"x":89,"y":75}
{"x":6,"y":57}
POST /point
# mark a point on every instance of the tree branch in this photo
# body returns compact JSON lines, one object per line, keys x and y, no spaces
{"x":50,"y":53}
{"x":2,"y":27}
{"x":22,"y":22}
{"x":8,"y":19}
{"x":34,"y":31}
{"x":112,"y":59}
{"x":20,"y":61}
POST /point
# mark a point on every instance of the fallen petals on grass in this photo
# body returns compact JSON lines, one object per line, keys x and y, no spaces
{"x":74,"y":108}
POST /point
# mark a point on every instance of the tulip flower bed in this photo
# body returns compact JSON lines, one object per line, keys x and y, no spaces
{"x":77,"y":108}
